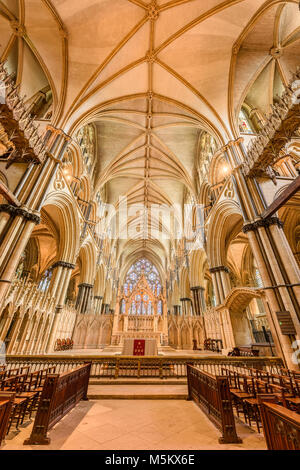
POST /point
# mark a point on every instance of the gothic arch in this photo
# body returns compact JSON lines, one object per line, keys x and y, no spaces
{"x":87,"y":261}
{"x":66,"y":217}
{"x":226,"y":222}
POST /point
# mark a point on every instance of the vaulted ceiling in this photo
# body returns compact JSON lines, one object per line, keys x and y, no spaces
{"x":151,"y":76}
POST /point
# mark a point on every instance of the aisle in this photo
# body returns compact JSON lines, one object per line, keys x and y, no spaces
{"x":135,"y":425}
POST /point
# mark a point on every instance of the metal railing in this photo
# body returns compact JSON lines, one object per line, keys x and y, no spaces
{"x":113,"y":367}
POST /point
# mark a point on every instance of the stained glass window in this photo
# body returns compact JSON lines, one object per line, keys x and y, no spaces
{"x":146,"y":268}
{"x":244,"y":123}
{"x":45,"y":281}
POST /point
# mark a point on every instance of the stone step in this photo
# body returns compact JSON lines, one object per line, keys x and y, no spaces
{"x":136,"y":381}
{"x":137,"y":392}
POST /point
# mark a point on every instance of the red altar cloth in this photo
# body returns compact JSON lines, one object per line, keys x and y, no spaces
{"x":139,"y":347}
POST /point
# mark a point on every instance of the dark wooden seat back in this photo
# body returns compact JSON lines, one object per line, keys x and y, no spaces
{"x":13,"y":372}
{"x":6,"y":403}
{"x":60,"y":394}
{"x":281,"y":426}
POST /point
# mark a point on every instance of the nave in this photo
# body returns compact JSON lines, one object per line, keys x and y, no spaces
{"x":150,"y":216}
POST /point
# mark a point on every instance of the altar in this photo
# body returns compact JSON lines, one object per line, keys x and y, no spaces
{"x":140,"y":324}
{"x":139,"y":347}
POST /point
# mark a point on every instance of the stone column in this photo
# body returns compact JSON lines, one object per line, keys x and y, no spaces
{"x":199,"y":305}
{"x":221,"y":282}
{"x":22,"y":222}
{"x":177,"y":310}
{"x":104,"y":309}
{"x":83,"y":297}
{"x":199,"y":300}
{"x":279,"y":275}
{"x":62,"y":274}
{"x":98,"y":302}
{"x":186,"y":306}
{"x":18,"y":221}
{"x":275,"y":260}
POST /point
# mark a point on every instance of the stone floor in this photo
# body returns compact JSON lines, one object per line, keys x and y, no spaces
{"x":137,"y":425}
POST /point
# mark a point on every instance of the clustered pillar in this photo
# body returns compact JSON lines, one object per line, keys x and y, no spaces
{"x":221,"y":282}
{"x":276,"y":263}
{"x":199,"y":305}
{"x":84,"y":297}
{"x":18,"y":221}
{"x":177,"y":309}
{"x":98,"y":303}
{"x":187,"y":306}
{"x":62,"y":271}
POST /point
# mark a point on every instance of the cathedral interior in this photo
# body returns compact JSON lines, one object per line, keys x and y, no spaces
{"x":149,"y":185}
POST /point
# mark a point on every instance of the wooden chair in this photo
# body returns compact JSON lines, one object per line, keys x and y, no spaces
{"x":29,"y":389}
{"x":24,"y":370}
{"x":2,"y":375}
{"x":294,"y":402}
{"x":251,"y":404}
{"x":12,"y":384}
{"x":12,"y":372}
{"x":241,"y":393}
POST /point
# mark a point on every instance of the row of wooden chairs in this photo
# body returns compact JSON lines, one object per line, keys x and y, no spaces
{"x":27,"y":388}
{"x":215,"y":345}
{"x":245,"y":387}
{"x":63,"y":344}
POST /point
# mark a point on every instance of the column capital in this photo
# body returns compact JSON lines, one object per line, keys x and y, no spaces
{"x":98,"y":297}
{"x":58,"y":131}
{"x":18,"y":211}
{"x":197,"y":288}
{"x":253,"y":226}
{"x":186,"y":299}
{"x":89,"y":286}
{"x":63,"y":264}
{"x":218,"y":269}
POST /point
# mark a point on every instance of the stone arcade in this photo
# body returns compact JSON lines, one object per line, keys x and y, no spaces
{"x":149,"y":183}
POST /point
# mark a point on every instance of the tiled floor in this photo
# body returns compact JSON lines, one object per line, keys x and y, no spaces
{"x":136,"y":425}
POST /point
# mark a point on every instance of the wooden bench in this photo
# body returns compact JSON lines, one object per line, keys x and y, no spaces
{"x":281,"y":426}
{"x":212,"y":395}
{"x":60,"y":394}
